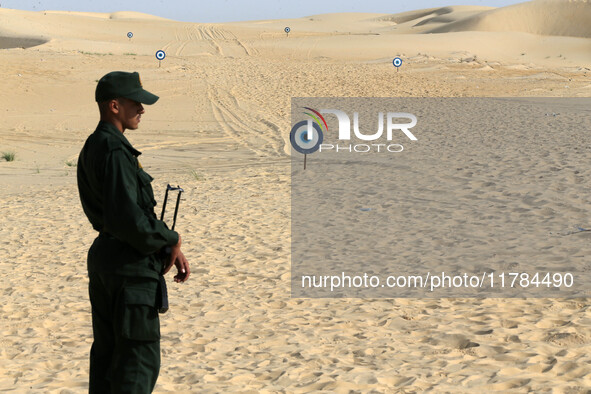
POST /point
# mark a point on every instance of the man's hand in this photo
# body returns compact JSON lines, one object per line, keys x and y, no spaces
{"x":182,"y":268}
{"x":178,"y":258}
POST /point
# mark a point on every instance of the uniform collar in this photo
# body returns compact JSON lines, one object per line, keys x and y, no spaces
{"x":112,"y":130}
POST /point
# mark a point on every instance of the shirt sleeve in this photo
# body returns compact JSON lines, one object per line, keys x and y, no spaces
{"x":124,"y":218}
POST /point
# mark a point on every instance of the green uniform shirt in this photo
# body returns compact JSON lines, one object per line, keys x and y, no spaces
{"x":118,"y":199}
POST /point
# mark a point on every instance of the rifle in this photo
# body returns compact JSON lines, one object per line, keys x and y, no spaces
{"x":165,"y":255}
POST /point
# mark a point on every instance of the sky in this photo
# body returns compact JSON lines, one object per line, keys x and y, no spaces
{"x":241,"y":10}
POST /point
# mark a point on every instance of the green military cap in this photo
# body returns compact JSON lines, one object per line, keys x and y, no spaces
{"x":122,"y":84}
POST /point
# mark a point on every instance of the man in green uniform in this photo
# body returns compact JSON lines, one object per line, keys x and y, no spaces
{"x":123,"y":262}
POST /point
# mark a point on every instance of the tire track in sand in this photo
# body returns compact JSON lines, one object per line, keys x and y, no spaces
{"x":256,"y":136}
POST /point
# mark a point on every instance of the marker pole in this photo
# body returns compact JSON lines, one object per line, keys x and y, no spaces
{"x":305,"y":157}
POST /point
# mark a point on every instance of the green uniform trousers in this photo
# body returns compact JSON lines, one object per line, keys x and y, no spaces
{"x":125,"y":354}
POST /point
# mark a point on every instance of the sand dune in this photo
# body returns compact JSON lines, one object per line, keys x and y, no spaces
{"x":433,"y":16}
{"x":112,"y":15}
{"x":8,"y":41}
{"x":17,"y":32}
{"x":543,"y":17}
{"x":553,"y":33}
{"x":135,"y":15}
{"x":404,"y":17}
{"x":26,"y":29}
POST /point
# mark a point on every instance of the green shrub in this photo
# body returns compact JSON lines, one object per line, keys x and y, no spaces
{"x":8,"y":156}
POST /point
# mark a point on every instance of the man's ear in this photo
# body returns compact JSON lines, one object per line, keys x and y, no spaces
{"x":114,"y":106}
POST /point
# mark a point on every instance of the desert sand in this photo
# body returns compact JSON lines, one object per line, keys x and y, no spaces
{"x":221,"y":130}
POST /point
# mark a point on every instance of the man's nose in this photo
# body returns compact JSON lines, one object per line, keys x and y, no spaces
{"x":141,"y":109}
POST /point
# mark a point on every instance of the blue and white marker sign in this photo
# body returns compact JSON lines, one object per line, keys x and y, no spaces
{"x":306,"y":137}
{"x":129,"y":35}
{"x":397,"y":62}
{"x":287,"y":30}
{"x":160,"y":55}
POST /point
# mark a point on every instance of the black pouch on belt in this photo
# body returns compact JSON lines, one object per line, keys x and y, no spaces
{"x":162,"y":294}
{"x":162,"y":301}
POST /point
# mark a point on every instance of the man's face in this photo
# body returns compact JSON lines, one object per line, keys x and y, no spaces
{"x":130,"y":113}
